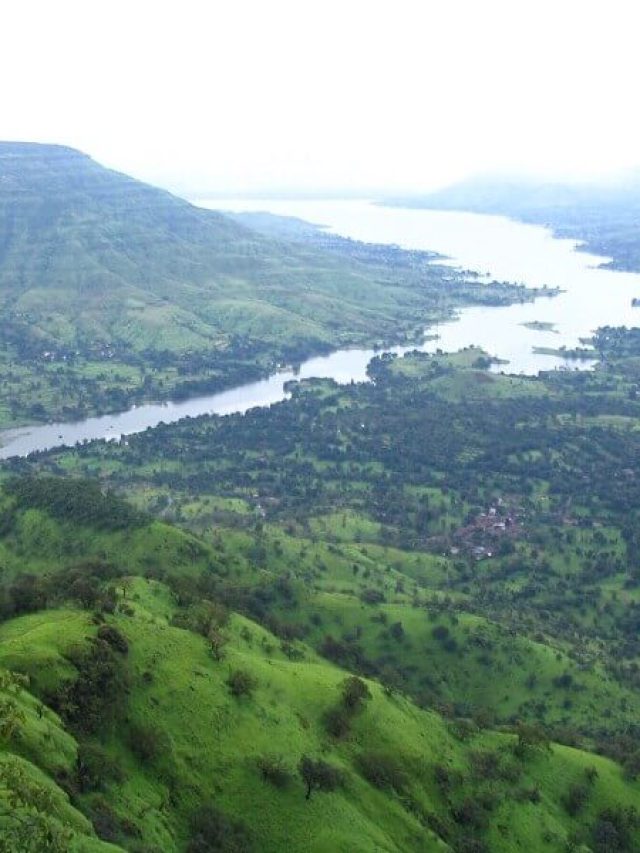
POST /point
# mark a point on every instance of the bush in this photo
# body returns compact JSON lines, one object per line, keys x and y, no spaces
{"x":371,"y":596}
{"x":94,"y":767}
{"x":447,"y":779}
{"x":319,"y":776}
{"x":114,"y":638}
{"x":575,"y":799}
{"x":440,"y":633}
{"x":274,"y":770}
{"x":337,"y":721}
{"x":241,"y":683}
{"x":203,"y":617}
{"x":354,"y":693}
{"x":108,"y":824}
{"x":213,"y":832}
{"x":531,"y":736}
{"x":383,"y":770}
{"x":470,"y":812}
{"x":485,"y":764}
{"x":614,"y":830}
{"x":148,"y":743}
{"x":98,"y":693}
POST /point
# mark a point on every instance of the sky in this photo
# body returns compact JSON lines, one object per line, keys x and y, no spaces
{"x":253,"y":96}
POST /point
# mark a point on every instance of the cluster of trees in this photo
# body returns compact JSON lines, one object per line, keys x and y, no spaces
{"x":79,"y":501}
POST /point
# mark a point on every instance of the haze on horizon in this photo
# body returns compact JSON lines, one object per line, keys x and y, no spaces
{"x":252,"y":97}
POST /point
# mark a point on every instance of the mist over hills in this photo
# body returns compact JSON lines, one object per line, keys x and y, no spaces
{"x":603,"y":214}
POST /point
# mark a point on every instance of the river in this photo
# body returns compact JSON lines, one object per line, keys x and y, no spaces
{"x":490,"y":245}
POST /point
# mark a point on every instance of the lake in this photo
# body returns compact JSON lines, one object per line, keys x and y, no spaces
{"x":493,"y":246}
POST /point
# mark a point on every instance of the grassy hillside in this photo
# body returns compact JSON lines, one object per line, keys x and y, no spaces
{"x":467,"y":537}
{"x":151,"y":718}
{"x":113,"y":291}
{"x":179,"y":739}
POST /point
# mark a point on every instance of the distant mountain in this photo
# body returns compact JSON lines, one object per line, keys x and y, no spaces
{"x":606,"y":216}
{"x":90,"y":257}
{"x":113,"y":292}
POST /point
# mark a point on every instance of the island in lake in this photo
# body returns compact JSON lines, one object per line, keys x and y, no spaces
{"x":540,"y":326}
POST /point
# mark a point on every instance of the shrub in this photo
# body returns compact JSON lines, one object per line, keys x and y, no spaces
{"x":371,"y":596}
{"x":614,"y":830}
{"x":217,"y":643}
{"x":591,"y":773}
{"x":203,"y":617}
{"x":470,"y":813}
{"x":563,"y":682}
{"x":319,"y":776}
{"x":108,"y":824}
{"x":396,"y":631}
{"x":241,"y":683}
{"x":575,"y":798}
{"x":447,"y":778}
{"x":99,"y":690}
{"x":213,"y":832}
{"x":114,"y":638}
{"x":531,"y":736}
{"x":94,"y":767}
{"x":354,"y":693}
{"x":337,"y":721}
{"x":463,"y":728}
{"x":148,"y":743}
{"x":274,"y":770}
{"x":631,"y":765}
{"x":440,"y":633}
{"x":485,"y":764}
{"x":383,"y":770}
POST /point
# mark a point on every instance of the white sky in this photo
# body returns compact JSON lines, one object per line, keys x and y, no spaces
{"x":248,"y":95}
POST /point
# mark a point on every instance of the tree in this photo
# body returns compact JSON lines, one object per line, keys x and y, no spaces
{"x":26,"y":812}
{"x":319,"y":776}
{"x":11,"y":716}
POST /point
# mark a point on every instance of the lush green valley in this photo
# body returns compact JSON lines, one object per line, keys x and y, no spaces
{"x":114,"y":292}
{"x":400,"y":615}
{"x":462,"y":544}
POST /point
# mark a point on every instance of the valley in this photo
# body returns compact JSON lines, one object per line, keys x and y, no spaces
{"x":115,"y":293}
{"x":388,"y":600}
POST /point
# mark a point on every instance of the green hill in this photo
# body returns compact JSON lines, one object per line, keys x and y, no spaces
{"x":171,"y":737}
{"x":113,"y":291}
{"x":146,"y":716}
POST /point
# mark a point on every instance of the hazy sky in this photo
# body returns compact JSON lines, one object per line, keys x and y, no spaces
{"x":243,"y":95}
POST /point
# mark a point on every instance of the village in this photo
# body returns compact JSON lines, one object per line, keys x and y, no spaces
{"x":490,"y":532}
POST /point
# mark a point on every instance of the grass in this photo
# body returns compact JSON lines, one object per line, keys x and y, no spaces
{"x":212,"y":743}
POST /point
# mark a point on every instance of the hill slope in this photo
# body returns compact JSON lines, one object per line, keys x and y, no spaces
{"x":181,"y":761}
{"x":113,"y":291}
{"x":155,"y":720}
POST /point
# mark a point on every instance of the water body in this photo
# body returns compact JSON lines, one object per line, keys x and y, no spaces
{"x":491,"y":245}
{"x":501,"y":249}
